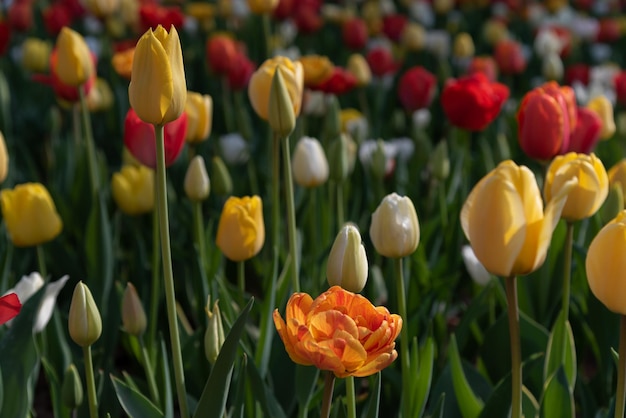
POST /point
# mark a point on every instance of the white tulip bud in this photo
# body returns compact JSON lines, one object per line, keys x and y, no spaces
{"x":310,"y":166}
{"x":347,"y":262}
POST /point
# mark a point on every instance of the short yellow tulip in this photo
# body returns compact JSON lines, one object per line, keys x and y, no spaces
{"x":261,"y":82}
{"x":158,"y":90}
{"x":504,"y":220}
{"x":199,"y":109}
{"x":133,"y":189}
{"x":241,"y":231}
{"x":30,"y":215}
{"x":587,"y":196}
{"x":360,"y":69}
{"x":74,"y":64}
{"x":262,"y":6}
{"x":604,"y":109}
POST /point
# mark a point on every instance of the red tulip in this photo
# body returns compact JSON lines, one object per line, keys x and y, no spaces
{"x":620,"y":87}
{"x":472,"y":102}
{"x":242,"y":69}
{"x":140,"y":140}
{"x":417,"y":88}
{"x":484,"y":64}
{"x":56,"y":17}
{"x":609,"y":31}
{"x":221,"y":52}
{"x":151,"y":15}
{"x":340,"y":81}
{"x":393,"y":26}
{"x":577,"y":72}
{"x":307,"y":16}
{"x":20,"y":15}
{"x":5,"y":36}
{"x":354,"y":33}
{"x":587,"y":133}
{"x":284,"y":9}
{"x":540,"y":125}
{"x":381,"y":61}
{"x":10,"y":306}
{"x":508,"y":54}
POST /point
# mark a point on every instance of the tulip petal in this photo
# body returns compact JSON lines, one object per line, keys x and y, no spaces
{"x":9,"y":307}
{"x":376,"y":364}
{"x":289,"y":341}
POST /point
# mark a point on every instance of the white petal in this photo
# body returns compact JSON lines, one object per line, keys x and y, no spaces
{"x":48,"y":303}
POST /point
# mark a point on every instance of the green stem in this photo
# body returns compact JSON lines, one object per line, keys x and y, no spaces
{"x":91,"y":383}
{"x":350,"y":397}
{"x":227,"y":106}
{"x":147,"y":366}
{"x":404,"y":338}
{"x":620,"y":392}
{"x":41,"y":260}
{"x":166,"y":255}
{"x":340,"y":209}
{"x":156,"y":283}
{"x":91,"y":149}
{"x":327,"y":397}
{"x":267,"y":33}
{"x":567,"y":268}
{"x":241,"y":277}
{"x":201,"y":248}
{"x":516,"y":354}
{"x":291,"y":216}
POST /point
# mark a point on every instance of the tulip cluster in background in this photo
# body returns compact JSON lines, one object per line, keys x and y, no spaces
{"x":289,"y":208}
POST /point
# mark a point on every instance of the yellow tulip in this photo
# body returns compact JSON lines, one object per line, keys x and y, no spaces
{"x":413,"y":36}
{"x":606,"y":265}
{"x":317,"y":68}
{"x":602,"y":107}
{"x":262,"y":6}
{"x":36,"y":55}
{"x":102,"y":8}
{"x":197,"y":184}
{"x":199,"y":109}
{"x":157,"y":90}
{"x":74,"y":64}
{"x":261,"y":82}
{"x":4,"y":159}
{"x":588,"y":195}
{"x":463,"y":46}
{"x":504,"y":220}
{"x":30,"y":215}
{"x":617,"y":174}
{"x":360,"y":69}
{"x":241,"y":231}
{"x":133,"y":189}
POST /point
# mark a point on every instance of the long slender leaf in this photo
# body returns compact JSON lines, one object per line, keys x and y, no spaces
{"x":424,"y":377}
{"x":164,"y":382}
{"x":561,"y":351}
{"x":306,"y":378}
{"x":134,"y":403}
{"x":469,"y":404}
{"x":240,"y":394}
{"x":374,"y":404}
{"x":263,"y":395}
{"x":557,"y":400}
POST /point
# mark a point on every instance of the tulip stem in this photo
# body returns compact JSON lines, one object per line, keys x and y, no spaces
{"x":404,"y":338}
{"x":241,"y":277}
{"x":156,"y":283}
{"x":620,"y":392}
{"x":340,"y":210}
{"x":327,"y":398}
{"x":91,"y":149}
{"x":166,"y":256}
{"x":350,"y":397}
{"x":198,"y":221}
{"x":41,"y":260}
{"x":91,"y":383}
{"x":516,"y":354}
{"x":147,"y":365}
{"x":567,"y":268}
{"x":291,"y":215}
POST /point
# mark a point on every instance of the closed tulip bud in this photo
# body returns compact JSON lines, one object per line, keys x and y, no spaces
{"x":72,"y":388}
{"x":4,"y":159}
{"x":310,"y":166}
{"x":199,"y":110}
{"x":84,"y":322}
{"x":260,"y":84}
{"x":613,"y":204}
{"x":463,"y":46}
{"x":262,"y":6}
{"x":413,"y":36}
{"x":378,"y":162}
{"x":74,"y":64}
{"x":36,"y":55}
{"x":133,"y":315}
{"x":332,"y":121}
{"x":316,"y":69}
{"x":133,"y":189}
{"x":592,"y":187}
{"x":241,"y":230}
{"x":197,"y":184}
{"x":604,"y":109}
{"x":605,"y":266}
{"x":494,"y":31}
{"x":100,"y":97}
{"x":214,"y":335}
{"x":440,"y":161}
{"x":338,"y":159}
{"x":157,"y":89}
{"x":552,"y":68}
{"x":222,"y":182}
{"x":281,"y":116}
{"x":347,"y":262}
{"x":30,"y":215}
{"x":360,"y":69}
{"x":395,"y":230}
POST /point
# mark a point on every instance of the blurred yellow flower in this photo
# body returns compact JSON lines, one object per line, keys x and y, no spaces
{"x":241,"y":230}
{"x":133,"y":189}
{"x":123,"y":62}
{"x":4,"y":159}
{"x":74,"y":64}
{"x":102,"y":8}
{"x":317,"y":68}
{"x":262,"y":6}
{"x":199,"y":109}
{"x":36,"y":55}
{"x":602,"y":107}
{"x":360,"y":69}
{"x":261,"y":82}
{"x":617,"y":175}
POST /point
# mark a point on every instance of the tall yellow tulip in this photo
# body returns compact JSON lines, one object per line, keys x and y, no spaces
{"x":158,"y":90}
{"x":241,"y":230}
{"x":74,"y":64}
{"x":587,"y":196}
{"x":504,"y":220}
{"x":261,"y":82}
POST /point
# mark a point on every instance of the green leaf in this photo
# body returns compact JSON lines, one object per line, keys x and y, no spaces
{"x":264,"y":395}
{"x":134,"y":403}
{"x":439,"y":407}
{"x":424,"y":377}
{"x":240,"y":394}
{"x":373,"y":406}
{"x":306,"y":378}
{"x":561,"y":351}
{"x":557,"y":400}
{"x":164,"y":382}
{"x":530,"y":406}
{"x":615,"y":356}
{"x":99,"y":251}
{"x":213,"y":400}
{"x":469,"y":404}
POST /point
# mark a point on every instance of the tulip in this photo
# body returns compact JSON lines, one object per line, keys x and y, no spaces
{"x":354,"y":33}
{"x":122,"y":62}
{"x":133,"y":189}
{"x":84,"y":322}
{"x":587,"y":132}
{"x":591,"y":189}
{"x":36,"y":55}
{"x":395,"y":230}
{"x":484,"y":64}
{"x":221,"y":51}
{"x":10,"y":306}
{"x":601,"y":106}
{"x":72,"y":388}
{"x":347,"y":261}
{"x":133,"y":315}
{"x":413,"y":37}
{"x":261,"y":81}
{"x":102,"y":8}
{"x":222,"y":181}
{"x":241,"y":230}
{"x":360,"y":69}
{"x":281,"y":117}
{"x":30,"y":215}
{"x":417,"y":88}
{"x":339,"y":82}
{"x":316,"y":69}
{"x":339,"y":331}
{"x":197,"y":185}
{"x":74,"y":65}
{"x":310,"y":166}
{"x":381,"y":61}
{"x":619,"y":83}
{"x":463,"y":46}
{"x":504,"y":220}
{"x":157,"y":89}
{"x":606,"y":267}
{"x":541,"y":122}
{"x":4,"y":159}
{"x":199,"y":110}
{"x":509,"y":56}
{"x":552,"y":68}
{"x":262,"y":6}
{"x":214,"y":335}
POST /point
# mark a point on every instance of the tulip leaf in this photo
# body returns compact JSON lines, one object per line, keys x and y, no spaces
{"x":439,"y":408}
{"x":212,"y":402}
{"x":240,"y":394}
{"x":424,"y":376}
{"x":134,"y":403}
{"x":306,"y":378}
{"x":374,"y":404}
{"x":561,"y":351}
{"x":164,"y":381}
{"x":263,"y":395}
{"x":469,"y":404}
{"x":557,"y":400}
{"x":99,"y":251}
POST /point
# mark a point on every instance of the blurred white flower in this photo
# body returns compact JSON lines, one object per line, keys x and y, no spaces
{"x":422,"y":12}
{"x":357,"y":128}
{"x":314,"y":103}
{"x":369,"y":147}
{"x":585,"y":27}
{"x":288,"y":31}
{"x":552,"y":67}
{"x":476,"y":270}
{"x":600,"y":52}
{"x":421,"y":118}
{"x":404,"y":148}
{"x":234,"y":148}
{"x":547,"y":43}
{"x":438,"y":42}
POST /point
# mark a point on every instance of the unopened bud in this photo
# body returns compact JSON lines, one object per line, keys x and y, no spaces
{"x":133,"y":315}
{"x":197,"y":184}
{"x":347,"y":262}
{"x":72,"y":388}
{"x":441,"y":161}
{"x":214,"y":335}
{"x":222,"y":182}
{"x":281,"y":116}
{"x":338,"y":159}
{"x":379,"y":160}
{"x":84,"y":322}
{"x":310,"y":166}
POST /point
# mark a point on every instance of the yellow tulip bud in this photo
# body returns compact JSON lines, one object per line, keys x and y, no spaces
{"x":280,"y":117}
{"x":395,"y":230}
{"x":261,"y":81}
{"x":310,"y":166}
{"x":347,"y":262}
{"x":199,"y":109}
{"x":241,"y":231}
{"x":591,"y":189}
{"x":30,"y":215}
{"x":504,"y":220}
{"x":84,"y":322}
{"x":552,"y":68}
{"x":133,"y":189}
{"x":36,"y":55}
{"x":494,"y":31}
{"x":606,"y":266}
{"x":262,"y":6}
{"x":413,"y":36}
{"x":197,"y":184}
{"x":604,"y":109}
{"x":214,"y":335}
{"x":360,"y":69}
{"x":133,"y":315}
{"x":158,"y":90}
{"x":72,"y":388}
{"x":4,"y":159}
{"x":463,"y":46}
{"x":74,"y":65}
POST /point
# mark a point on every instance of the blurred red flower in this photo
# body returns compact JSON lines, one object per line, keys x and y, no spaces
{"x":509,"y":57}
{"x":381,"y":61}
{"x":619,"y":82}
{"x":587,"y":132}
{"x":241,"y":71}
{"x":393,"y":26}
{"x":417,"y":88}
{"x":577,"y":72}
{"x":20,"y":15}
{"x":340,"y":81}
{"x":484,"y":64}
{"x":152,"y":15}
{"x":221,"y":52}
{"x":354,"y":33}
{"x":5,"y":36}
